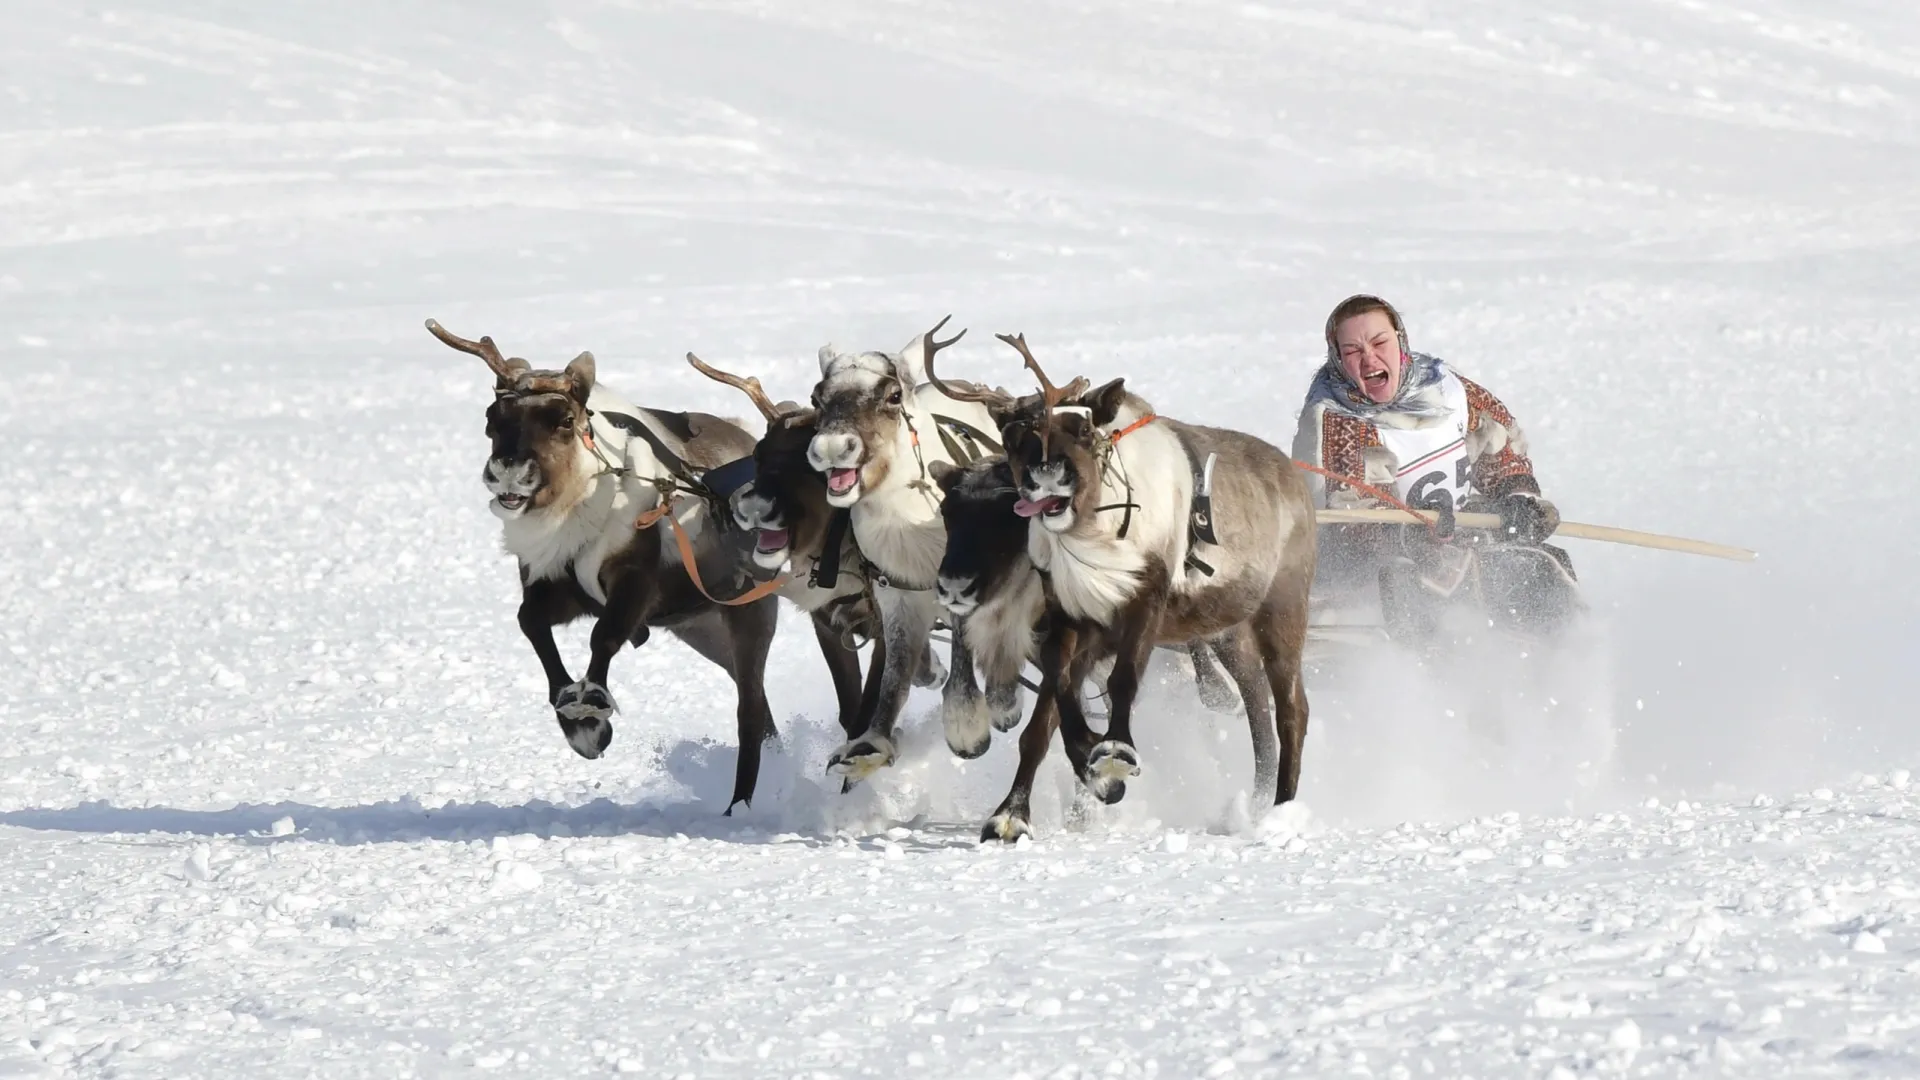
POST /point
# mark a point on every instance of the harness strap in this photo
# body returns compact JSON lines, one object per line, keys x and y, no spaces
{"x":826,"y":572}
{"x":677,"y":467}
{"x":1200,"y":509}
{"x":722,"y":481}
{"x":1366,"y":488}
{"x":976,"y":439}
{"x":652,"y":517}
{"x":1133,"y":427}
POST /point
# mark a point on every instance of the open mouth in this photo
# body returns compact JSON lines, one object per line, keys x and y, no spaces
{"x":1051,"y":506}
{"x":770,"y":541}
{"x":841,"y":481}
{"x":1375,"y":381}
{"x":510,"y":501}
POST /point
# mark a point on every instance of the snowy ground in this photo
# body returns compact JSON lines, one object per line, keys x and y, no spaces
{"x":283,"y":796}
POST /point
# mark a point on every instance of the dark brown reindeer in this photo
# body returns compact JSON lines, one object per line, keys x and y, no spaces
{"x":784,"y":508}
{"x":576,"y":474}
{"x":1148,"y":531}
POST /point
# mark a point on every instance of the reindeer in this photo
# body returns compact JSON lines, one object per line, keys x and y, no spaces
{"x":784,"y":508}
{"x":1148,"y":531}
{"x":578,"y":477}
{"x":875,"y":440}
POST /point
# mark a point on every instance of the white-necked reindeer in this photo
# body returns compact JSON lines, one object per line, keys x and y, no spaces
{"x":1131,"y":559}
{"x":574,"y":471}
{"x":877,"y":432}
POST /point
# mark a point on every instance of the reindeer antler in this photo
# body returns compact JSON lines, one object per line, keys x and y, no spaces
{"x":485,"y":349}
{"x":980,"y":394}
{"x":934,"y":344}
{"x":749,"y":385}
{"x":1050,"y":395}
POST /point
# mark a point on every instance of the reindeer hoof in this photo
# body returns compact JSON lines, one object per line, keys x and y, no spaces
{"x":1217,"y":696}
{"x":1006,"y":827}
{"x":1006,"y":710}
{"x":861,"y":758}
{"x":585,"y":711}
{"x":932,"y":674}
{"x":965,"y":722}
{"x":967,"y":751}
{"x":1109,"y":766}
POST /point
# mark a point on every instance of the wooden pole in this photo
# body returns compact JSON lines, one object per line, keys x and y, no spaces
{"x":1579,"y":530}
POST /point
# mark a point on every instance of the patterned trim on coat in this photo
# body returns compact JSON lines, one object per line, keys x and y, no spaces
{"x":1507,"y":470}
{"x":1343,"y":444}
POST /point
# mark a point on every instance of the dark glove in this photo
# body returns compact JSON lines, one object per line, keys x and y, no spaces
{"x":1526,"y":518}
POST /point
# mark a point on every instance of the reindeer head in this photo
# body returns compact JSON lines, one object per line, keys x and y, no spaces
{"x":538,"y":424}
{"x":1057,"y":447}
{"x":785,"y":504}
{"x":984,"y":535}
{"x":862,"y":400}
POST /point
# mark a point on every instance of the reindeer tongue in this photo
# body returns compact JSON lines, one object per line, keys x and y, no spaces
{"x":771,"y":539}
{"x":841,"y":481}
{"x":1027,"y":507}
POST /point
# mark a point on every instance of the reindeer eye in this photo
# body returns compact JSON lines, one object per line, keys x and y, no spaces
{"x":894,"y":397}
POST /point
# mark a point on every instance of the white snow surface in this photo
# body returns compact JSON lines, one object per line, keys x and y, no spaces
{"x":281,"y":795}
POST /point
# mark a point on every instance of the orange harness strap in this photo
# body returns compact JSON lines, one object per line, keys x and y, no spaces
{"x":1362,"y":486}
{"x":665,"y":510}
{"x":1133,"y":427}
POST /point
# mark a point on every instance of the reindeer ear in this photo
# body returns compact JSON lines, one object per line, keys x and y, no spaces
{"x":944,"y":473}
{"x":1013,"y":433}
{"x":580,"y":376}
{"x":911,"y":365}
{"x":1105,"y":402}
{"x":828,"y":354}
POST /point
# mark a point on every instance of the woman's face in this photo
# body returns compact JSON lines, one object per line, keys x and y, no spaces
{"x":1369,"y":350}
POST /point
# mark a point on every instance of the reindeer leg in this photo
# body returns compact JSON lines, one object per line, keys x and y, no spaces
{"x":869,"y":699}
{"x":1063,"y":667}
{"x":1280,"y":631}
{"x":1115,"y":760}
{"x":1238,"y":651}
{"x":1014,"y":818}
{"x":906,"y":618}
{"x":1003,"y":704}
{"x":1210,"y":682}
{"x":585,"y":708}
{"x":543,"y":606}
{"x":843,"y":665}
{"x":931,"y":675}
{"x":751,"y":628}
{"x":963,"y":710}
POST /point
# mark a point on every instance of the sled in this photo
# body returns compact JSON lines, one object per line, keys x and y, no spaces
{"x":1459,"y":588}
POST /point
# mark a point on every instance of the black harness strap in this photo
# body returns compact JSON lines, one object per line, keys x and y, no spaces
{"x":713,"y":486}
{"x":1200,"y":513}
{"x":723,"y":480}
{"x":976,"y":439}
{"x":826,"y":572}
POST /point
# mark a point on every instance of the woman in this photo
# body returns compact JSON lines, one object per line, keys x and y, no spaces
{"x":1405,"y":423}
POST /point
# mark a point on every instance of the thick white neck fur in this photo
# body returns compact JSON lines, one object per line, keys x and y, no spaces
{"x":600,"y":522}
{"x":1094,"y":571}
{"x":1001,"y":630}
{"x":897,"y":522}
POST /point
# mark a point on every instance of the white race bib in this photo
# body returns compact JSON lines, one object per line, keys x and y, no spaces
{"x":1433,"y":458}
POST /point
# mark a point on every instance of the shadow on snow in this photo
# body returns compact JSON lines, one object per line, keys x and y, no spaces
{"x":702,"y":770}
